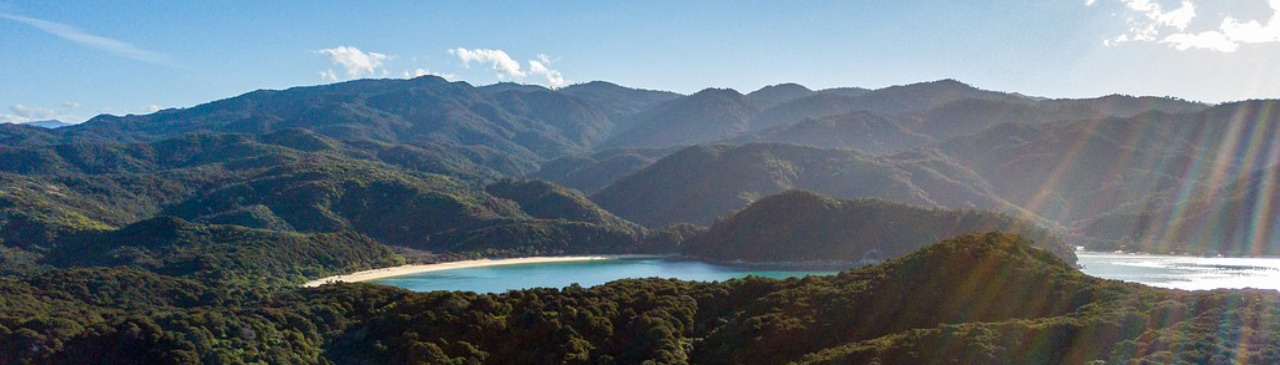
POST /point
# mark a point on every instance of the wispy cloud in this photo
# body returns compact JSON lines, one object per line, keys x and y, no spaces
{"x":356,"y":62}
{"x":32,"y":112}
{"x":507,"y":67}
{"x":19,"y":113}
{"x":1149,"y":22}
{"x":501,"y":63}
{"x":554,"y":78}
{"x":109,"y":45}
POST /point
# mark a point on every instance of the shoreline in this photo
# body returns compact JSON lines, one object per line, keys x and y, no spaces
{"x":388,"y":272}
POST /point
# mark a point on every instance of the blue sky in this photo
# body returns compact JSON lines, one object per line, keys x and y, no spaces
{"x":73,"y":60}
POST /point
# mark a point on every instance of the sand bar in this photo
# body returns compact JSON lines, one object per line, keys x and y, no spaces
{"x":415,"y":269}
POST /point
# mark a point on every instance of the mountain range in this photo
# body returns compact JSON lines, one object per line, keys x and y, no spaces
{"x":659,"y":158}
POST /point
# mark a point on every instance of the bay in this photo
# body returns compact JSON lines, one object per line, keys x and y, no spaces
{"x":1182,"y":272}
{"x":1175,"y":272}
{"x":497,"y":279}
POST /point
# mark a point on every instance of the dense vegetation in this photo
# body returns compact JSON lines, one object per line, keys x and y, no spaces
{"x":981,"y":298}
{"x":700,"y":183}
{"x":804,"y":227}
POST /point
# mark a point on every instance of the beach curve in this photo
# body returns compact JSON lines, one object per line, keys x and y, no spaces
{"x":402,"y":270}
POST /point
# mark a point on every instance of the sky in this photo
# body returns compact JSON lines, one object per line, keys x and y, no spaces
{"x":72,"y":60}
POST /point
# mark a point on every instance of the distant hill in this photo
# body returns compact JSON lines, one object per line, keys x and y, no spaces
{"x":1069,"y":171}
{"x":867,"y":131}
{"x":50,"y":124}
{"x":705,"y":116}
{"x":970,"y":116}
{"x":525,"y":123}
{"x":799,"y":226}
{"x":618,"y":101}
{"x":780,"y":93}
{"x":701,"y":183}
{"x":1242,"y":218}
{"x":590,"y":173}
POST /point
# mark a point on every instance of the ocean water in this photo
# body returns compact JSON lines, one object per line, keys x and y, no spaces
{"x":1189,"y":273}
{"x":497,"y":279}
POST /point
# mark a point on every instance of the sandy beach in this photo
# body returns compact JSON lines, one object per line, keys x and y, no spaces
{"x":414,"y":269}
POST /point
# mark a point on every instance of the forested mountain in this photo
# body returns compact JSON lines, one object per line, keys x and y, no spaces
{"x":798,"y":226}
{"x":701,"y":117}
{"x":618,"y":101}
{"x":703,"y":182}
{"x":1240,"y":219}
{"x":1078,"y":170}
{"x":868,"y":131}
{"x":51,"y":124}
{"x":590,"y":173}
{"x":780,"y":93}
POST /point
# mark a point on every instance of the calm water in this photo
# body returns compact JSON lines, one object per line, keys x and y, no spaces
{"x":1191,"y":273}
{"x":497,"y":279}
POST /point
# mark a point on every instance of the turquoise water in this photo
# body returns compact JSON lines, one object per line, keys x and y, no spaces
{"x":497,"y":279}
{"x":1190,"y":273}
{"x":1180,"y":272}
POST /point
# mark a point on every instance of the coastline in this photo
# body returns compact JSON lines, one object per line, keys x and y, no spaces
{"x":388,"y":272}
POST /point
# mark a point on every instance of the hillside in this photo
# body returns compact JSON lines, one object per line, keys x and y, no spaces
{"x":590,"y":173}
{"x":861,"y":130}
{"x":1240,"y":219}
{"x":705,"y":116}
{"x":798,"y":226}
{"x":1071,"y":171}
{"x":701,"y":183}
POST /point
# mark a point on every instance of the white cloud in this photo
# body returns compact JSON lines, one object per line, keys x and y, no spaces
{"x":109,"y":45}
{"x":554,"y":78}
{"x":153,"y":108}
{"x":1152,"y":24}
{"x":1210,"y":40}
{"x":424,"y":72}
{"x":1254,"y":31}
{"x":329,"y":75}
{"x":356,"y":62}
{"x":32,"y":112}
{"x":501,"y":63}
{"x":73,"y":105}
{"x":25,"y":113}
{"x":505,"y":66}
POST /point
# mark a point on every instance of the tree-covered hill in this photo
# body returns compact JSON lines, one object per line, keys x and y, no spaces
{"x":1240,"y":219}
{"x":1073,"y":171}
{"x":705,"y":116}
{"x":798,"y":226}
{"x":590,"y":173}
{"x":225,"y":254}
{"x":861,"y":130}
{"x":703,"y":182}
